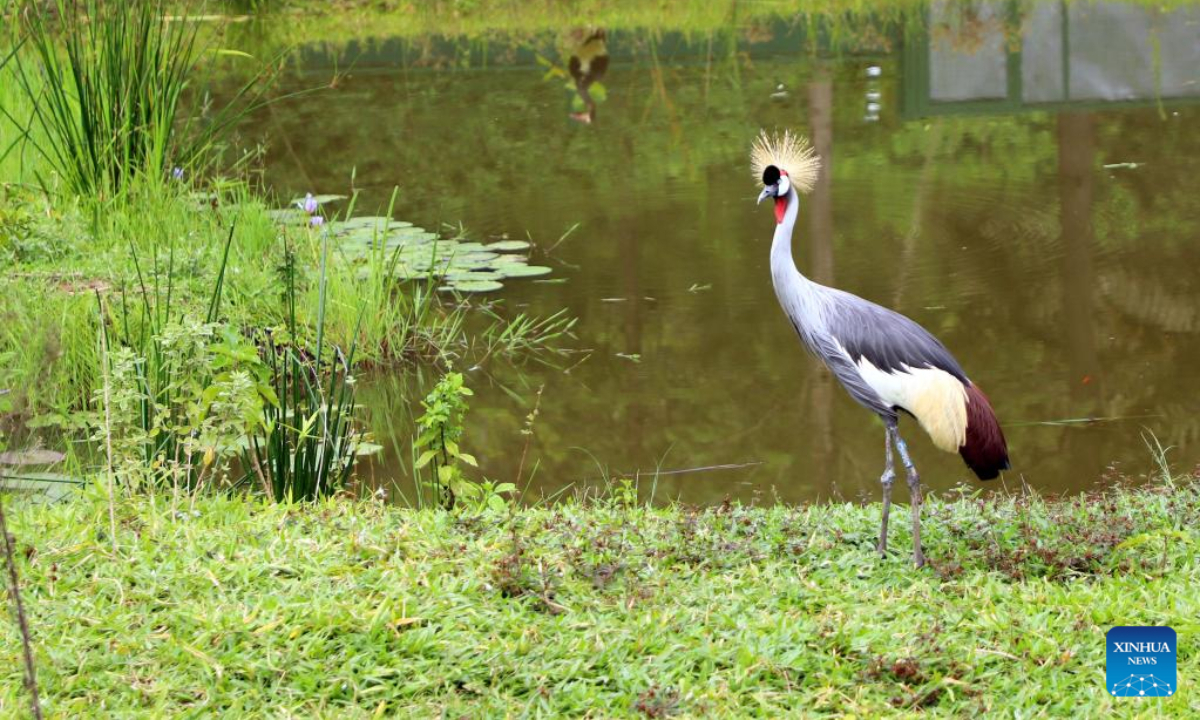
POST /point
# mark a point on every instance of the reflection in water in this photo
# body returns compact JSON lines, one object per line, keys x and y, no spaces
{"x":819,"y":264}
{"x":1051,"y":54}
{"x":588,"y":63}
{"x":1084,"y":376}
{"x":1076,"y":187}
{"x":1064,"y":285}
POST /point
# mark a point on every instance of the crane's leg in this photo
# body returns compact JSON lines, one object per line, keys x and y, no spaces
{"x":914,"y":489}
{"x":888,"y":478}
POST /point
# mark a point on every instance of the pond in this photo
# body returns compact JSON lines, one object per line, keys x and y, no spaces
{"x":1018,"y":179}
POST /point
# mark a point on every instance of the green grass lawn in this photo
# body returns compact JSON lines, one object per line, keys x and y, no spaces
{"x":232,"y":606}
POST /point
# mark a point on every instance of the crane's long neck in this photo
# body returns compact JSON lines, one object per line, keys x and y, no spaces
{"x":796,"y":293}
{"x":783,"y":267}
{"x":781,"y":246}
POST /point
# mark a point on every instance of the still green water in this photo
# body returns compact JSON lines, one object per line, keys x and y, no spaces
{"x":1020,"y":181}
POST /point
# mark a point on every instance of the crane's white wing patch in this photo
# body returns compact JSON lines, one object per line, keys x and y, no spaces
{"x":937,"y":399}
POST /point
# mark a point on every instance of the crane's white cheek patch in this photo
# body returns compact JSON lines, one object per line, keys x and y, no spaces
{"x":935,"y":398}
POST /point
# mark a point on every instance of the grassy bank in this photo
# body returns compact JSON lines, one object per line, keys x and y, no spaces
{"x":601,"y":608}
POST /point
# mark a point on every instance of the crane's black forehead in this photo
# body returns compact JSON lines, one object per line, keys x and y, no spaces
{"x":770,"y":175}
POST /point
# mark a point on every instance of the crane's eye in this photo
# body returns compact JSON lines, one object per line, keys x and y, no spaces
{"x":770,"y":175}
{"x":784,"y":186}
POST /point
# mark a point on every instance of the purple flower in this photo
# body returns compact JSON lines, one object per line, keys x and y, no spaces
{"x":316,"y":221}
{"x":308,"y":204}
{"x":177,"y":173}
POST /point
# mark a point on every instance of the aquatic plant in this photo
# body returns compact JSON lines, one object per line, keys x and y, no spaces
{"x":414,"y":253}
{"x":309,"y":438}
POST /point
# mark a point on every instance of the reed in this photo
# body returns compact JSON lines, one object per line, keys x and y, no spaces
{"x":309,"y":439}
{"x":106,"y":84}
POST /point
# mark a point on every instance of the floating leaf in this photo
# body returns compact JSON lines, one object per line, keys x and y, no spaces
{"x":472,"y":275}
{"x":470,"y":259}
{"x":368,"y":223}
{"x":407,"y":272}
{"x":519,"y":271}
{"x":474,"y":286}
{"x":508,"y":246}
{"x":414,"y":253}
{"x":410,"y":234}
{"x":320,"y":199}
{"x":395,"y":243}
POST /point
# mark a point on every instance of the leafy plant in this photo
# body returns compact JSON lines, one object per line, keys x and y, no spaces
{"x":439,"y":431}
{"x":178,"y":414}
{"x":491,"y":495}
{"x":179,"y":387}
{"x":180,"y":390}
{"x":31,"y":230}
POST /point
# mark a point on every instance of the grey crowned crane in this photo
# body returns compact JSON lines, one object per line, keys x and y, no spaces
{"x":887,"y":362}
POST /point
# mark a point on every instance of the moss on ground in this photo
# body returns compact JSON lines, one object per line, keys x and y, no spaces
{"x":228,"y":605}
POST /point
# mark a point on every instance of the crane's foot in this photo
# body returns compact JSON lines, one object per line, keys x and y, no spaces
{"x":918,"y":558}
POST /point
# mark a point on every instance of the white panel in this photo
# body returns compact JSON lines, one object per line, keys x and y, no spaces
{"x":967,"y":53}
{"x":1042,"y":53}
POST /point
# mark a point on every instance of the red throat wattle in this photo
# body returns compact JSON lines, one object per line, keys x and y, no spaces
{"x":780,"y":208}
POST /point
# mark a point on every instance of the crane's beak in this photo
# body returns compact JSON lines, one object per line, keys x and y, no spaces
{"x":768,"y":192}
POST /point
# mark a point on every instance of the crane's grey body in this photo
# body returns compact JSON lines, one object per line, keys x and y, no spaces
{"x":842,"y":329}
{"x":849,"y":334}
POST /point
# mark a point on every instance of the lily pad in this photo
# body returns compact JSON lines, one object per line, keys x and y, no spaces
{"x":321,"y":199}
{"x":473,"y":275}
{"x":468,"y":247}
{"x":473,"y":286}
{"x":469,"y":259}
{"x":414,"y":253}
{"x":508,"y":246}
{"x":410,"y":234}
{"x":520,"y":271}
{"x":366,"y":224}
{"x":398,"y":271}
